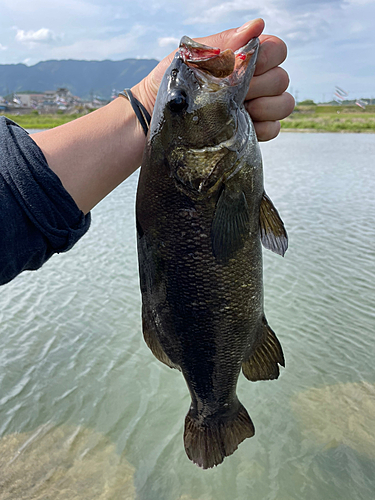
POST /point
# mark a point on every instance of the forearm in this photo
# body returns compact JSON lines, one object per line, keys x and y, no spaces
{"x":37,"y":218}
{"x":95,"y":153}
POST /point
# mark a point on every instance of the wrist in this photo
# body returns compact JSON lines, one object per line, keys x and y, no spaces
{"x":145,"y":91}
{"x":130,"y":137}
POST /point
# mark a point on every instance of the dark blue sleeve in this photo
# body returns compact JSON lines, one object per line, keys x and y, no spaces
{"x":38,"y":217}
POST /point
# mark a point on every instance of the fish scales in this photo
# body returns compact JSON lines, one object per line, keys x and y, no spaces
{"x":201,"y":217}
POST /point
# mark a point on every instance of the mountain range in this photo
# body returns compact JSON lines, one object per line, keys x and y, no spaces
{"x":82,"y":78}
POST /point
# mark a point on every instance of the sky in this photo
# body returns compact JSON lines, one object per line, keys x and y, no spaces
{"x":330,"y":42}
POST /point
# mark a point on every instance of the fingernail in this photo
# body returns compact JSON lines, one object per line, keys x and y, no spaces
{"x":246,"y":25}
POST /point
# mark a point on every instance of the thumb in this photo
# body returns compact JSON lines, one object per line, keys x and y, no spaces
{"x":234,"y":38}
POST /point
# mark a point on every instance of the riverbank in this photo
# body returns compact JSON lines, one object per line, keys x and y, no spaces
{"x":36,"y":121}
{"x":303,"y":119}
{"x":330,"y":119}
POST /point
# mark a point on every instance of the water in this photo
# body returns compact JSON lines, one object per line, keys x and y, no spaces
{"x":87,"y":412}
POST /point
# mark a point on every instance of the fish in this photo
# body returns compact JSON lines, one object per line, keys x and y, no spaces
{"x":201,"y":217}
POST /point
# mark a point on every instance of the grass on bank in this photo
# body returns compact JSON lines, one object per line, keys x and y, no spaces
{"x":331,"y":119}
{"x":305,"y":118}
{"x":36,"y":121}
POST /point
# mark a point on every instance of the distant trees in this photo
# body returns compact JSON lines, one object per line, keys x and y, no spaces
{"x":307,"y":102}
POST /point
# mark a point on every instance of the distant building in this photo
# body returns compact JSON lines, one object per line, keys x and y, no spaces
{"x":30,"y":100}
{"x":49,"y":101}
{"x":61,"y":98}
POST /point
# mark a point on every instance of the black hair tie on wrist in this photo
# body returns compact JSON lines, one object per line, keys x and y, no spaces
{"x":141,"y":112}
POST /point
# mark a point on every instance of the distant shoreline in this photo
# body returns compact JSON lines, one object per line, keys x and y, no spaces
{"x":304,"y":119}
{"x":321,"y":131}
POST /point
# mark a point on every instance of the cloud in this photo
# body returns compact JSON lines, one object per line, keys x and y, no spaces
{"x":357,"y":27}
{"x":43,"y":35}
{"x":3,"y":47}
{"x":221,"y":11}
{"x":358,"y":2}
{"x":299,"y":22}
{"x":168,"y":40}
{"x":97,"y":49}
{"x":46,"y":8}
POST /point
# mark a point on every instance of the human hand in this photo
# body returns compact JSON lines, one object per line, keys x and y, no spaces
{"x":266,"y":100}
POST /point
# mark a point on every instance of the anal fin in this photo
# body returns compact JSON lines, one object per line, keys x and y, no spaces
{"x":264,"y":363}
{"x":153,"y":343}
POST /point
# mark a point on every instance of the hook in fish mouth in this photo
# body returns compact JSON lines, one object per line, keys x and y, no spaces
{"x":218,"y":63}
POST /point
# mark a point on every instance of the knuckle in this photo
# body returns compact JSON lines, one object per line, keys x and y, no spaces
{"x":290,"y":101}
{"x":283,"y":80}
{"x":283,"y":50}
{"x":267,"y":130}
{"x":221,"y":39}
{"x":272,"y":53}
{"x":262,"y":61}
{"x":256,"y":108}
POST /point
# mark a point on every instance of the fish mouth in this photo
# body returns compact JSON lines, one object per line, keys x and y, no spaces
{"x":216,"y":66}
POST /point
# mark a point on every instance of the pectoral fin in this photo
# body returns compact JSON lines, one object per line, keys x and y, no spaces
{"x":230,"y":226}
{"x":272,"y":230}
{"x":264,"y":363}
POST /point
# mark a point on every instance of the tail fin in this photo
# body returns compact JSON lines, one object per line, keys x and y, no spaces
{"x":207,"y":443}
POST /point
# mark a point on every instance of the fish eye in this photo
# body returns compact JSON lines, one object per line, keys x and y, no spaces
{"x":178,"y":101}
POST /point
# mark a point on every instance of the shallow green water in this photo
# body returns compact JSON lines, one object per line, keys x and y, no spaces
{"x":87,"y":412}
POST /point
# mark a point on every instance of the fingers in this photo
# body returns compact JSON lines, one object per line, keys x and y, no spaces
{"x":266,"y":113}
{"x":268,"y":102}
{"x":270,"y":108}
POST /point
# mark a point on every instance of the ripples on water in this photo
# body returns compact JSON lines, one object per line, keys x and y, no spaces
{"x":87,"y":412}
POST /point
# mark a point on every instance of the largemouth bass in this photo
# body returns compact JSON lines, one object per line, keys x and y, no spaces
{"x":201,"y":215}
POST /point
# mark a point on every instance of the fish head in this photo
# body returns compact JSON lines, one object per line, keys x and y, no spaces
{"x":199,"y":116}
